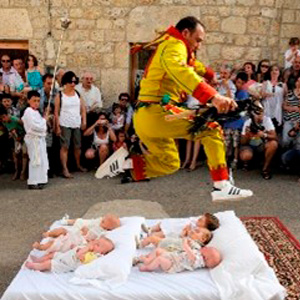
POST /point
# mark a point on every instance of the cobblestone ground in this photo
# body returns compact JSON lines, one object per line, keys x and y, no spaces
{"x":26,"y":213}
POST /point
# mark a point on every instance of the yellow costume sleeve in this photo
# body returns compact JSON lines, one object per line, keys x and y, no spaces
{"x":203,"y":71}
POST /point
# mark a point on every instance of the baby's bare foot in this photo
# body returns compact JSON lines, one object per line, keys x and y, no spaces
{"x":29,"y":265}
{"x":46,"y":234}
{"x":33,"y":258}
{"x":36,"y":245}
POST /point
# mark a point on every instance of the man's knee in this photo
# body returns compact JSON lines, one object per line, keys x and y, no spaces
{"x":272,"y":145}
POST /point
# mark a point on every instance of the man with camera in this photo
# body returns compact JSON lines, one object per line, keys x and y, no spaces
{"x":258,"y":137}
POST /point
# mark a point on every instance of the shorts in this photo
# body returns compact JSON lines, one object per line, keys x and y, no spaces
{"x":70,"y":133}
{"x":65,"y":262}
{"x":255,"y":149}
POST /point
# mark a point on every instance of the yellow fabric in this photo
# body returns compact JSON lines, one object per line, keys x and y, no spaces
{"x":89,"y":256}
{"x":169,"y":73}
{"x":158,"y":135}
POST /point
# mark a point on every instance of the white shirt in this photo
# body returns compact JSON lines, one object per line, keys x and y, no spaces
{"x":288,"y":64}
{"x":70,"y":111}
{"x":91,"y":97}
{"x":34,"y":123}
{"x":267,"y":123}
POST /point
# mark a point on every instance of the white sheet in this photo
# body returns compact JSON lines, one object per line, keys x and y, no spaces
{"x":197,"y":285}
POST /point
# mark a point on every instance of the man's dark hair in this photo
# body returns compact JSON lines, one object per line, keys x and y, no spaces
{"x":124,"y":95}
{"x":33,"y":94}
{"x":5,"y":96}
{"x":242,"y":75}
{"x":68,"y":77}
{"x":189,"y":23}
{"x":46,"y":76}
{"x":294,"y":41}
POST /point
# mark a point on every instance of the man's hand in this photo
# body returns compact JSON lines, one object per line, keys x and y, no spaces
{"x":83,"y":126}
{"x":223,"y":104}
{"x":58,"y":131}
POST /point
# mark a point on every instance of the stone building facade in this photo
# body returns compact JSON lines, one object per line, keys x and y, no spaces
{"x":101,"y":31}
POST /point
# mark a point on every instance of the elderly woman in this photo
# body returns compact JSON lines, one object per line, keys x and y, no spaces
{"x":70,"y":116}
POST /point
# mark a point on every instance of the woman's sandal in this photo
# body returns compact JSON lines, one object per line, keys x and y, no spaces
{"x":266,"y":174}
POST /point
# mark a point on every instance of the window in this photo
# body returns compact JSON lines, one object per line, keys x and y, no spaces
{"x":14,"y":48}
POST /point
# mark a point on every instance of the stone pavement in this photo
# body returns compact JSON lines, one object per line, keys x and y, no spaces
{"x":25,"y":214}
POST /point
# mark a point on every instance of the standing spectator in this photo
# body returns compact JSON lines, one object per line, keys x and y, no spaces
{"x":291,"y":115}
{"x":292,"y":52}
{"x":58,"y":77}
{"x":11,"y":77}
{"x":70,"y":116}
{"x":91,"y":96}
{"x":262,"y":70}
{"x":19,"y":66}
{"x":259,"y":137}
{"x":33,"y":73}
{"x":45,"y":91}
{"x":103,"y":134}
{"x":291,"y":74}
{"x":249,"y":69}
{"x":4,"y":88}
{"x":273,"y":93}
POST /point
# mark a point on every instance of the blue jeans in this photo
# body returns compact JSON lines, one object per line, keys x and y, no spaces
{"x":290,"y":157}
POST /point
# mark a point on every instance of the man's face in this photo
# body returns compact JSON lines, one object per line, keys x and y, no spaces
{"x":87,"y":80}
{"x":224,"y":74}
{"x":123,"y":101}
{"x":18,"y":65}
{"x":34,"y":102}
{"x":6,"y":63}
{"x":296,"y":63}
{"x":47,"y":84}
{"x":194,"y":38}
{"x":6,"y":102}
{"x":259,"y":117}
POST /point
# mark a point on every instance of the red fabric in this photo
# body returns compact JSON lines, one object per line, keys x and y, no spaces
{"x":139,"y":167}
{"x":219,"y":174}
{"x":209,"y":74}
{"x":204,"y":92}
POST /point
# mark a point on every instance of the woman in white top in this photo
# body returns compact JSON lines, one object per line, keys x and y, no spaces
{"x":70,"y":117}
{"x":103,"y":134}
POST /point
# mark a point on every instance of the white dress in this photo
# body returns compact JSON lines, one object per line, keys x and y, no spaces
{"x":36,"y":129}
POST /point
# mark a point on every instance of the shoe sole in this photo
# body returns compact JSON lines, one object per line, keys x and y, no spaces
{"x":120,"y":153}
{"x":223,"y":199}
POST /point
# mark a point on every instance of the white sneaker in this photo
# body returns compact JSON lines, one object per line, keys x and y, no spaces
{"x":113,"y":165}
{"x":230,"y":192}
{"x":64,"y":220}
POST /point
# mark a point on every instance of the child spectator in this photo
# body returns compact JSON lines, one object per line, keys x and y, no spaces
{"x":262,"y":70}
{"x":6,"y":101}
{"x":16,"y":132}
{"x":292,"y":52}
{"x":33,"y":73}
{"x":121,"y":140}
{"x":36,"y":129}
{"x":103,"y":134}
{"x":117,"y":117}
{"x":232,"y":129}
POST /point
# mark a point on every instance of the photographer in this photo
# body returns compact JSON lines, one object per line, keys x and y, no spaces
{"x":103,"y":135}
{"x":258,"y":137}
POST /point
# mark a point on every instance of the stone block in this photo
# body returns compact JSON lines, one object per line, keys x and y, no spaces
{"x":297,"y":16}
{"x":115,"y":12}
{"x":97,"y":35}
{"x":209,"y":10}
{"x":67,"y":47}
{"x":16,"y":23}
{"x":232,"y":52}
{"x":106,"y":47}
{"x":252,"y":54}
{"x":86,"y":46}
{"x":126,"y":3}
{"x":259,"y":40}
{"x":141,"y":29}
{"x":212,"y":23}
{"x":85,"y":24}
{"x":119,"y":23}
{"x":292,"y":4}
{"x":78,"y":59}
{"x":241,"y":11}
{"x":288,"y":16}
{"x":40,"y":22}
{"x":230,"y":2}
{"x":255,"y":11}
{"x":258,"y":25}
{"x":107,"y":60}
{"x":213,"y":51}
{"x":199,"y":2}
{"x":114,"y":35}
{"x":19,"y":3}
{"x":273,"y":41}
{"x":235,"y":25}
{"x":76,"y":13}
{"x":4,"y":3}
{"x":122,"y":55}
{"x":289,"y":30}
{"x":269,"y":12}
{"x":78,"y":35}
{"x":214,"y":38}
{"x":104,"y":24}
{"x":103,"y":2}
{"x":56,"y":3}
{"x":267,"y":3}
{"x":50,"y":48}
{"x":242,"y":40}
{"x":92,"y":13}
{"x":96,"y":59}
{"x":224,"y":11}
{"x":113,"y":82}
{"x":245,"y":2}
{"x":40,"y":34}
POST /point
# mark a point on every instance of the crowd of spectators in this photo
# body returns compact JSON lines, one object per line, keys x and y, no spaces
{"x":79,"y":122}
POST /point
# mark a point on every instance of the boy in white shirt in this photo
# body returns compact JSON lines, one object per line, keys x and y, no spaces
{"x":36,"y":129}
{"x":292,"y":52}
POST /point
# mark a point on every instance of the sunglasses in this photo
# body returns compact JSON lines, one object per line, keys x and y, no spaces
{"x":73,"y":81}
{"x":264,"y":66}
{"x":4,"y":60}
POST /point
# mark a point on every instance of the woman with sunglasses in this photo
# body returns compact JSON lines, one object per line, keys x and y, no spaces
{"x":70,"y":117}
{"x":33,"y":73}
{"x":262,"y":69}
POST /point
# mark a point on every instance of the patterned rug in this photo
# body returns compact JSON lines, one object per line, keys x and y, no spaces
{"x":281,"y":250}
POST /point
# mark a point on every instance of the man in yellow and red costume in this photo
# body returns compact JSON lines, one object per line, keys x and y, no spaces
{"x":173,"y":71}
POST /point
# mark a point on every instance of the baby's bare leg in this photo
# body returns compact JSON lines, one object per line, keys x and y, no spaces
{"x":55,"y":232}
{"x":152,"y":239}
{"x":156,"y":228}
{"x":44,"y":266}
{"x":158,"y":234}
{"x":42,"y":258}
{"x":158,"y":262}
{"x":42,"y":247}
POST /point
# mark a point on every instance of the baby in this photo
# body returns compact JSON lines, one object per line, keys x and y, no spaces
{"x":178,"y":261}
{"x":81,"y":232}
{"x":58,"y":262}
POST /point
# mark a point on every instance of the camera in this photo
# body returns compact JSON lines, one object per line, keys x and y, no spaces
{"x":255,"y":127}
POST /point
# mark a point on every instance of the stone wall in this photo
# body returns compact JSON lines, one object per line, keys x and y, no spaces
{"x":101,"y":30}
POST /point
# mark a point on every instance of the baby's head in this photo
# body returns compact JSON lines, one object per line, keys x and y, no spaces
{"x":294,"y":43}
{"x":103,"y":245}
{"x":110,"y":222}
{"x":211,"y":256}
{"x":201,"y":235}
{"x":209,"y":221}
{"x":116,"y":109}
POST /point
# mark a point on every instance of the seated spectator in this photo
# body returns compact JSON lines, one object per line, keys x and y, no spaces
{"x":273,"y":93}
{"x":121,"y":140}
{"x":291,"y":114}
{"x":33,"y":73}
{"x":262,"y":70}
{"x":291,"y":158}
{"x":292,"y":52}
{"x":19,"y":66}
{"x":249,"y":69}
{"x":258,"y":137}
{"x":4,"y":88}
{"x":91,"y":96}
{"x":103,"y":135}
{"x":11,"y":77}
{"x":46,"y":90}
{"x":291,"y":74}
{"x":124,"y":102}
{"x":117,"y":117}
{"x":70,"y":117}
{"x":225,"y":86}
{"x":232,"y":129}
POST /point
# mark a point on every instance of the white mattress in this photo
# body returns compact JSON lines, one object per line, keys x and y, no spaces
{"x":197,"y":285}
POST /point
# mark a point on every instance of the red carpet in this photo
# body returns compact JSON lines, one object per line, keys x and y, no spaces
{"x":281,"y":250}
